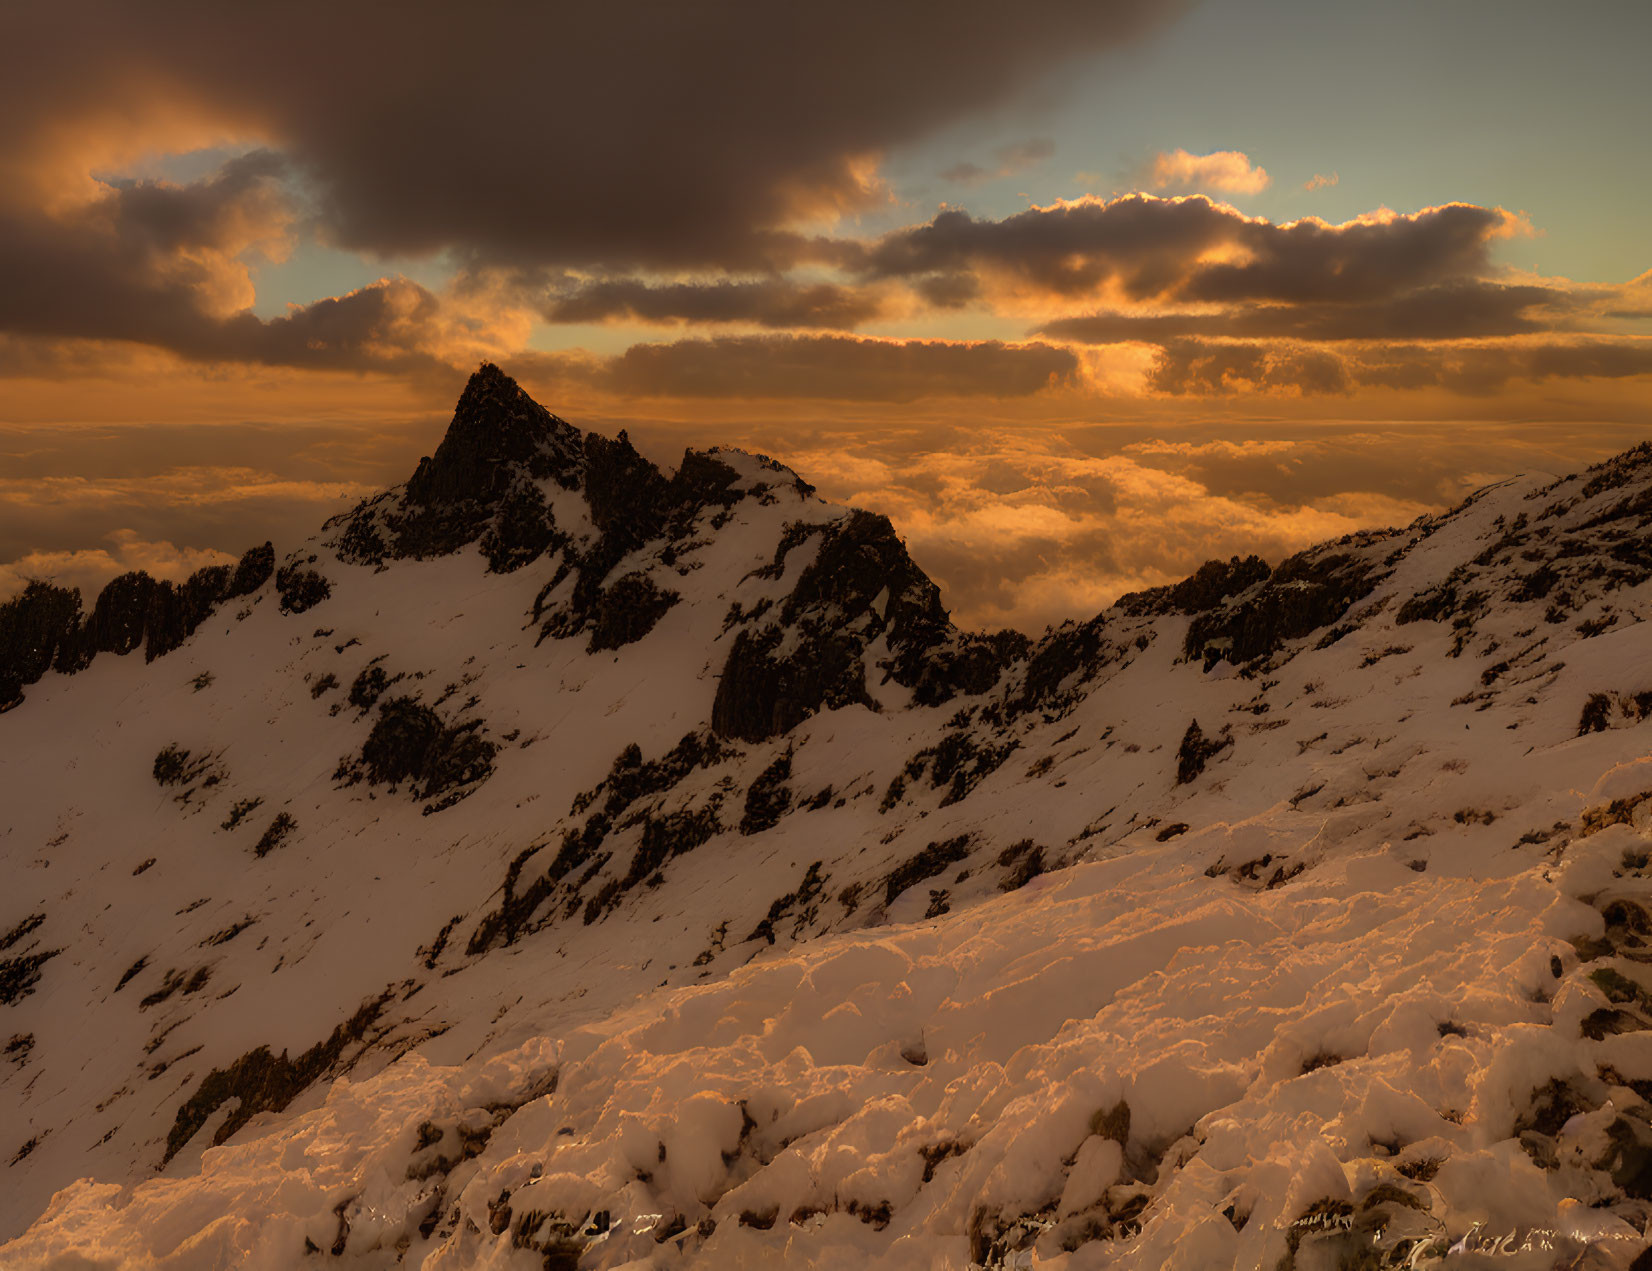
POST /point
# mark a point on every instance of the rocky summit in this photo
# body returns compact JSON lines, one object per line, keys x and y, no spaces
{"x":559,"y":862}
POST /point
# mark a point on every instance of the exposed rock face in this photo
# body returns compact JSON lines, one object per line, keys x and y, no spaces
{"x":36,"y":628}
{"x":627,"y":611}
{"x":702,"y":480}
{"x":1308,"y":591}
{"x":498,"y":432}
{"x":411,"y":742}
{"x":42,"y":627}
{"x":633,"y":507}
{"x":1196,"y":751}
{"x":301,"y":589}
{"x":521,"y":531}
{"x":861,"y":585}
{"x":484,"y":482}
{"x":1066,"y":657}
{"x":1208,"y":586}
{"x":120,"y":616}
{"x":261,"y":1082}
{"x":764,"y":693}
{"x":252,"y":571}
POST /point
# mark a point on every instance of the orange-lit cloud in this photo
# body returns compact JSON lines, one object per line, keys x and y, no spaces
{"x":1230,"y":171}
{"x":1319,"y":181}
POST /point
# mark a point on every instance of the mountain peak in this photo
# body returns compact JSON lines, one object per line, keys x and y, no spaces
{"x":487,"y":480}
{"x":496,"y":430}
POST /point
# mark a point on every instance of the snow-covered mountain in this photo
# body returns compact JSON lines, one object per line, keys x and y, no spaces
{"x":556,"y":862}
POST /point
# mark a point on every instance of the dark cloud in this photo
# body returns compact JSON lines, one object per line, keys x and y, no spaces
{"x":625,"y":135}
{"x":1454,"y":310}
{"x":1194,"y":366}
{"x":1068,"y":249}
{"x":243,"y":196}
{"x":382,"y":327}
{"x":1200,"y":367}
{"x":1307,"y":261}
{"x":769,"y":302}
{"x":160,"y":264}
{"x":836,"y":368}
{"x":1161,"y":249}
{"x":138,"y":258}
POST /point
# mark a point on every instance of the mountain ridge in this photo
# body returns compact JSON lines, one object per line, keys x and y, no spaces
{"x":661,"y":805}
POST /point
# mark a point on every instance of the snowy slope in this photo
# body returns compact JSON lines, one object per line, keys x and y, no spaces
{"x":496,"y":908}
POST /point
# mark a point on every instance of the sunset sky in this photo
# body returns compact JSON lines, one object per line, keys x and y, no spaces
{"x":1080,"y":294}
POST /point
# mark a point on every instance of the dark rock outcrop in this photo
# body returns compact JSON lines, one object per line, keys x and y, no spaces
{"x":1308,"y":591}
{"x":769,"y":797}
{"x":1065,"y":658}
{"x":521,"y":531}
{"x":1209,"y":585}
{"x":252,"y":571}
{"x":826,"y":624}
{"x":262,"y":1082}
{"x":627,"y":611}
{"x":412,"y":743}
{"x":42,"y":628}
{"x":120,"y":616}
{"x":37,"y":628}
{"x":498,"y":433}
{"x":764,"y":694}
{"x":1196,"y":751}
{"x":483,"y":483}
{"x":702,"y":480}
{"x":933,"y":860}
{"x":301,"y":589}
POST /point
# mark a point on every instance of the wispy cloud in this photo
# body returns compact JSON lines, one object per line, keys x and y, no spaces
{"x":1008,"y":161}
{"x":1319,"y":181}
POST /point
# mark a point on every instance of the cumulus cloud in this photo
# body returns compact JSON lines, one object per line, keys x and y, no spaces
{"x":1024,"y":512}
{"x":1319,"y":181}
{"x":1026,"y":525}
{"x":1193,"y":250}
{"x":1230,"y":171}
